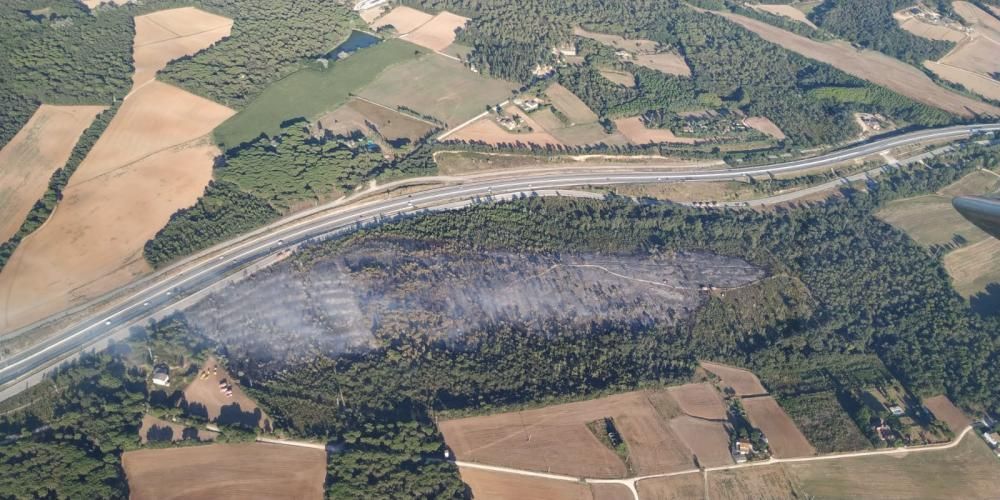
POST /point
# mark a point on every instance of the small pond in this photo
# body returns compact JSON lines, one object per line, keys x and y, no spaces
{"x":357,"y":41}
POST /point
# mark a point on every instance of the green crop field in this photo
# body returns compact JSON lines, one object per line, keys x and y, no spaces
{"x":436,"y":86}
{"x":312,"y":91}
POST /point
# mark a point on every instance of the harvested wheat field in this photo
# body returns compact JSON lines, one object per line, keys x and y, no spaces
{"x":682,"y":487}
{"x":700,"y":401}
{"x":371,"y":14}
{"x":783,"y":436}
{"x":40,"y":148}
{"x":93,"y":4}
{"x":945,"y":411}
{"x":872,"y":66}
{"x":979,"y":19}
{"x":773,"y":481}
{"x":974,"y":267}
{"x":486,"y":130}
{"x":502,"y":486}
{"x":982,"y":85}
{"x":218,"y":471}
{"x":403,"y":19}
{"x":570,"y":105}
{"x":969,"y":470}
{"x":438,"y":33}
{"x":170,"y":34}
{"x":637,"y":133}
{"x":706,"y":440}
{"x":764,"y":125}
{"x":978,"y":56}
{"x":157,"y":428}
{"x":785,"y":11}
{"x":743,"y":382}
{"x":218,"y":407}
{"x":556,"y":438}
{"x":357,"y":114}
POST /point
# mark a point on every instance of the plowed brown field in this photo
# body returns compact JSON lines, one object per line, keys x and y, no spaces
{"x":944,"y":410}
{"x":166,"y":35}
{"x":637,"y":133}
{"x":700,"y":400}
{"x":254,"y":470}
{"x":785,"y":439}
{"x":40,"y":148}
{"x":743,"y":382}
{"x":502,"y":486}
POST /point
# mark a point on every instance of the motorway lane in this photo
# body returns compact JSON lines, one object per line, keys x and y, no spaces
{"x":201,"y":274}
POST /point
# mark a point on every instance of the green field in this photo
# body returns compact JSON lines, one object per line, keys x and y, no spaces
{"x":312,"y":91}
{"x":436,"y":86}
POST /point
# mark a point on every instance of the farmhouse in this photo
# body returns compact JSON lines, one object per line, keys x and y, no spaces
{"x":742,"y":449}
{"x":161,"y":376}
{"x":528,"y":105}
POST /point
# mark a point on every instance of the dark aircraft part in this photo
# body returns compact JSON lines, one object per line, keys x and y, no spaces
{"x":981,"y":211}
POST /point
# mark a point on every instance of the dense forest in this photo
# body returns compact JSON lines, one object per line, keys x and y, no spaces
{"x":869,"y":24}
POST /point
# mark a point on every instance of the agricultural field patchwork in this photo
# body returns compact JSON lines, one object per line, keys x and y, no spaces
{"x":438,"y":33}
{"x":166,"y":35}
{"x":646,"y":53}
{"x":29,"y":159}
{"x":364,"y":117}
{"x":402,"y":19}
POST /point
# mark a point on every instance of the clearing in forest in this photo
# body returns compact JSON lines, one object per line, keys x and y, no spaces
{"x":93,"y":4}
{"x":569,"y":104}
{"x":945,"y":411}
{"x":152,"y":160}
{"x":438,"y":33}
{"x":216,"y":406}
{"x":764,"y":125}
{"x":784,"y":438}
{"x":872,"y":66}
{"x":403,"y":19}
{"x":434,"y":85}
{"x":620,"y":77}
{"x":742,"y":382}
{"x":637,"y":133}
{"x":975,"y":267}
{"x":504,"y":486}
{"x":249,"y":470}
{"x":646,"y":53}
{"x":40,"y":148}
{"x":785,"y":11}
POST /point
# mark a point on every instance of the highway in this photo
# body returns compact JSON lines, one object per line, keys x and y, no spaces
{"x":194,"y":275}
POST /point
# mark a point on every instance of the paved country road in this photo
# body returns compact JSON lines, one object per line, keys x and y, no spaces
{"x":160,"y":293}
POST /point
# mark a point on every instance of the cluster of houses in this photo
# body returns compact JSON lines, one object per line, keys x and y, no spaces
{"x":991,"y":436}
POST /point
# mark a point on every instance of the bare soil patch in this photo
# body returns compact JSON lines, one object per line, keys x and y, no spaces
{"x":783,"y":436}
{"x":93,"y":4}
{"x":501,"y":486}
{"x":683,"y":487}
{"x":438,"y":33}
{"x":974,"y":267}
{"x":619,"y":42}
{"x":150,"y":422}
{"x":40,"y":148}
{"x":238,"y":408}
{"x":872,"y":66}
{"x":706,"y":440}
{"x":620,"y":77}
{"x":700,"y":401}
{"x":743,"y":382}
{"x":636,"y":132}
{"x":765,"y":125}
{"x":610,"y":492}
{"x":370,"y":15}
{"x":403,"y":19}
{"x":785,"y":11}
{"x":666,"y":62}
{"x":753,"y":482}
{"x":170,"y":34}
{"x":570,"y":105}
{"x":357,"y":114}
{"x":487,"y":131}
{"x":930,"y":31}
{"x":254,"y":470}
{"x":944,"y":410}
